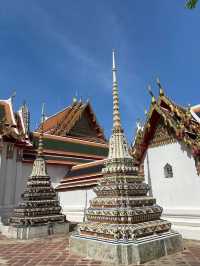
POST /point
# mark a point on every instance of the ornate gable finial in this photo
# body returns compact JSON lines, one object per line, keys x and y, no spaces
{"x":161,"y":91}
{"x":75,"y":98}
{"x":25,"y":116}
{"x":149,"y":89}
{"x":13,"y":95}
{"x":188,"y":112}
{"x":116,"y":113}
{"x":139,"y":125}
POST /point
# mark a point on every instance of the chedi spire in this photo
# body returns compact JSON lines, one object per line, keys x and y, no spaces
{"x":116,"y":113}
{"x":118,"y":145}
{"x":39,"y":165}
{"x":123,"y":221}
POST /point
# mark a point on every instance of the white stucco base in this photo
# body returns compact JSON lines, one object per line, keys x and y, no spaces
{"x":186,"y":221}
{"x":30,"y":232}
{"x":179,"y":196}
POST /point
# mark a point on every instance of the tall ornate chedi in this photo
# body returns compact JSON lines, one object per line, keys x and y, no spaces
{"x":123,"y":215}
{"x":40,"y":212}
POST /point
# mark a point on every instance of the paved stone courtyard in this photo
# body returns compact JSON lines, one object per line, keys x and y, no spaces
{"x":55,"y":251}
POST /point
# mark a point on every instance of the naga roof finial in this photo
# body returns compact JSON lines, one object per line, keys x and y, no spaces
{"x":149,"y":89}
{"x":13,"y":96}
{"x":161,"y":91}
{"x":75,"y":98}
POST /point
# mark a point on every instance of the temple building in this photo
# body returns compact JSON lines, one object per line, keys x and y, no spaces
{"x":167,"y":147}
{"x":71,"y":137}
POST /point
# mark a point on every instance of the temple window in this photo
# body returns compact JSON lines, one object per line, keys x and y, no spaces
{"x":168,"y":171}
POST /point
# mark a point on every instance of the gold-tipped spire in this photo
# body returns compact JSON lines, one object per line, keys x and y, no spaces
{"x":161,"y":91}
{"x":116,"y":113}
{"x":75,"y":98}
{"x":40,"y":144}
{"x":153,"y":100}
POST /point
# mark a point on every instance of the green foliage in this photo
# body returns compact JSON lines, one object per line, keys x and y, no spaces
{"x":190,"y":4}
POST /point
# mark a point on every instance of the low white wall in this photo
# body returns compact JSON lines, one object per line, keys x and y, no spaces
{"x":179,"y":196}
{"x":74,"y":203}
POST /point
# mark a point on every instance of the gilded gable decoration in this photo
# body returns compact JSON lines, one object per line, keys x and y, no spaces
{"x":167,"y":122}
{"x":162,"y":136}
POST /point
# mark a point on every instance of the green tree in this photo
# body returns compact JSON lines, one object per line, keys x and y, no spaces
{"x":191,"y":4}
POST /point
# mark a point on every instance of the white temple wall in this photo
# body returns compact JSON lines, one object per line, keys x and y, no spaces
{"x":56,"y":172}
{"x":75,"y":202}
{"x":179,"y":196}
{"x":2,"y":174}
{"x":8,"y":180}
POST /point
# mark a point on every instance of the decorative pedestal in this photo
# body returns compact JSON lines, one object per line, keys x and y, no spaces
{"x":130,"y":252}
{"x":38,"y":231}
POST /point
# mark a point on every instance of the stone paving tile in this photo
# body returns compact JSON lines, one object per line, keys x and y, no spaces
{"x":55,"y":251}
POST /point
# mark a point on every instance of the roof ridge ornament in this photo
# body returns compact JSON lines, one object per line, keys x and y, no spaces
{"x":13,"y":95}
{"x":149,"y":89}
{"x":161,"y":90}
{"x":75,"y":98}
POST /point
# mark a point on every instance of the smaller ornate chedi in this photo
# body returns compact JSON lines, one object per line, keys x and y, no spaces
{"x":39,"y":210}
{"x":123,"y":222}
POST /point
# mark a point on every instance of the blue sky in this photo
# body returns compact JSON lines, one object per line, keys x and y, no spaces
{"x":51,"y":49}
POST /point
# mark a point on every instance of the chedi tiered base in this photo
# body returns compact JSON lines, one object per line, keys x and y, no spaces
{"x":39,"y":204}
{"x":124,"y":224}
{"x":122,"y":210}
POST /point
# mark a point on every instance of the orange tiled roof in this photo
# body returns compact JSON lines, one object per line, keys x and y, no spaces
{"x":54,"y":120}
{"x":63,"y":122}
